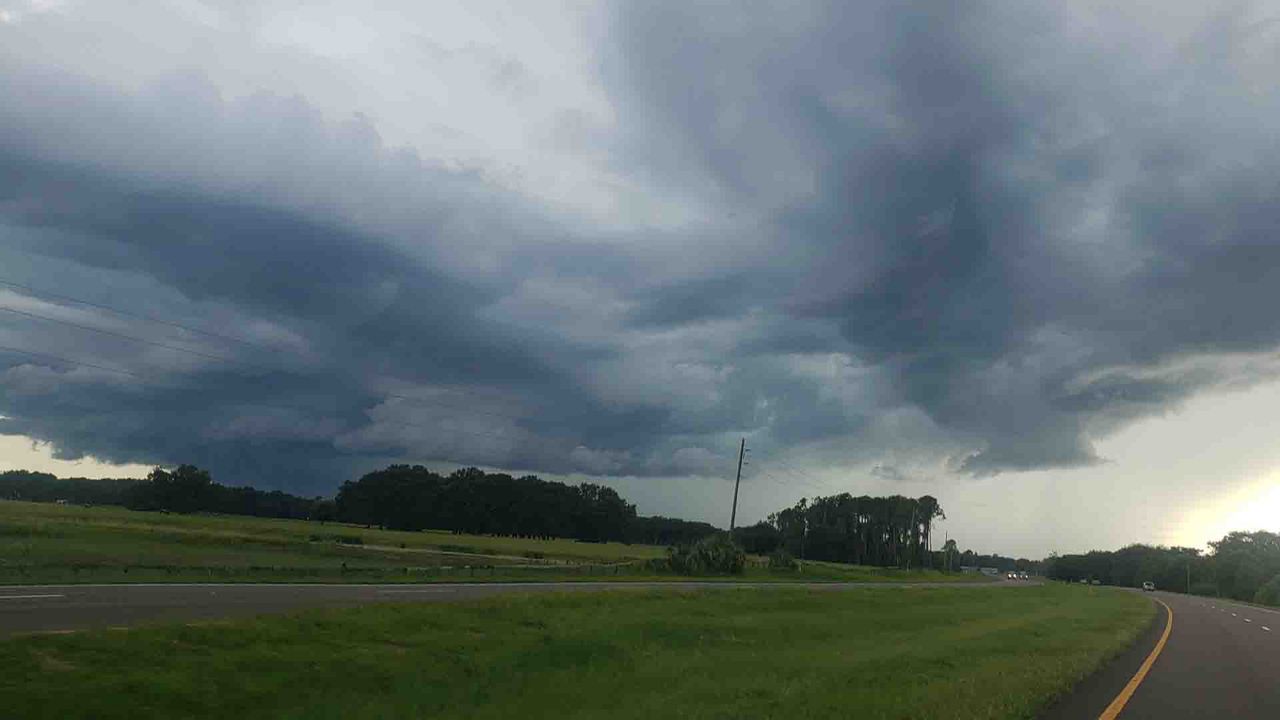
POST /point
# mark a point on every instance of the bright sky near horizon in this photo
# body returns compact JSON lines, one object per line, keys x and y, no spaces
{"x":1017,"y":256}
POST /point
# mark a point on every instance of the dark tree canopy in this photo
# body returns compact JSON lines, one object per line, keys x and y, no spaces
{"x":184,"y":489}
{"x":885,"y":531}
{"x":1242,"y":565}
{"x":43,"y":487}
{"x":404,"y":497}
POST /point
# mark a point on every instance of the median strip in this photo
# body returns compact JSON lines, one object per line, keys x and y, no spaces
{"x":1113,"y":710}
{"x":28,"y":597}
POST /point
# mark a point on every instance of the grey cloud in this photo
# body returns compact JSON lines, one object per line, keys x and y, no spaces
{"x":998,"y":219}
{"x":962,"y":155}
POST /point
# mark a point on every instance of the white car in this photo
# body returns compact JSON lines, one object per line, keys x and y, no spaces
{"x":1148,"y":586}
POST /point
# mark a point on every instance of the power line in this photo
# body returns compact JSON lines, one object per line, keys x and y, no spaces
{"x":125,"y":313}
{"x":175,"y":348}
{"x":257,"y":403}
{"x":132,"y":338}
{"x":149,"y":318}
{"x":814,"y":483}
{"x":70,"y":361}
{"x":221,"y":358}
{"x":794,"y":482}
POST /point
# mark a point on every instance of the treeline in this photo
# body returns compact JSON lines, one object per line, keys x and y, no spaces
{"x":1242,"y":566}
{"x":43,"y":487}
{"x":404,"y":497}
{"x":891,"y":531}
{"x":969,"y":558}
{"x":185,"y":489}
{"x":659,"y":530}
{"x":400,"y":497}
{"x":189,"y":489}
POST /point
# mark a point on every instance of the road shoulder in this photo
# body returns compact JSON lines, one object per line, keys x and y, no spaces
{"x":1092,"y":694}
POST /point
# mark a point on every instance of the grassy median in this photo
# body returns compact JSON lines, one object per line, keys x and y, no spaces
{"x":47,"y":544}
{"x":775,"y":653}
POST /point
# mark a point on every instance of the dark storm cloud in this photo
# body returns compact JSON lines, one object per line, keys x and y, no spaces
{"x":984,"y":232}
{"x":366,"y":341}
{"x":958,"y":151}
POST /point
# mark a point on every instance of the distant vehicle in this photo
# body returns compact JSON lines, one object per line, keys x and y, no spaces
{"x":1097,"y":582}
{"x":1148,"y":586}
{"x":1084,"y":581}
{"x":1012,"y":576}
{"x":1022,"y":576}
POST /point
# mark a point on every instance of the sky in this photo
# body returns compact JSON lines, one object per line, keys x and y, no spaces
{"x":1019,"y":256}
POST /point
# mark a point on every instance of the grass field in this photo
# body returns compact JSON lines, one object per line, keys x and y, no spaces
{"x":774,"y":653}
{"x":46,"y":543}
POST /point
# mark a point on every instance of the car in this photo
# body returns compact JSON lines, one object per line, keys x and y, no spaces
{"x":1148,"y":586}
{"x":1097,"y":582}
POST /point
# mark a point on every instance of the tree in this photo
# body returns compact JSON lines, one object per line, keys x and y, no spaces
{"x":186,"y":489}
{"x":469,"y":500}
{"x":952,"y":555}
{"x":892,"y":531}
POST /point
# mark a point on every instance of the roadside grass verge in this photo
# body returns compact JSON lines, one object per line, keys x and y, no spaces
{"x":23,"y":518}
{"x":775,"y":653}
{"x":42,"y":543}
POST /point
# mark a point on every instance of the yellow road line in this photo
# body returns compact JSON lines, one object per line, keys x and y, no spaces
{"x":1113,"y":710}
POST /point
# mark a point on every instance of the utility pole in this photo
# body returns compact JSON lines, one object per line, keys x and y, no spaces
{"x":1188,"y":576}
{"x":733,"y":516}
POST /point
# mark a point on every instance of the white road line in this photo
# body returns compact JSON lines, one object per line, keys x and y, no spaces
{"x":1234,"y":615}
{"x":1247,"y":620}
{"x":28,"y":597}
{"x":439,"y":590}
{"x":1264,"y":627}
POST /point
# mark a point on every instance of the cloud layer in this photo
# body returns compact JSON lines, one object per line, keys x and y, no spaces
{"x":897,"y":239}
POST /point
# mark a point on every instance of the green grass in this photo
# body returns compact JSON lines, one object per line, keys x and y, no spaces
{"x":54,"y":543}
{"x":46,"y":543}
{"x":771,"y":653}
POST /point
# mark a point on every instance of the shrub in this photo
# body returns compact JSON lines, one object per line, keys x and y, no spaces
{"x":1269,"y":593}
{"x":1204,"y":588}
{"x":340,"y":539}
{"x":780,"y":559}
{"x":713,"y":555}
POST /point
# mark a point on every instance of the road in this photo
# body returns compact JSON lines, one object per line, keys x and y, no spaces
{"x":59,"y":608}
{"x":1221,"y":660}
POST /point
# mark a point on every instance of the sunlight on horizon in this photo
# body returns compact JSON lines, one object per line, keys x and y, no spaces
{"x":1256,"y":507}
{"x":23,"y":453}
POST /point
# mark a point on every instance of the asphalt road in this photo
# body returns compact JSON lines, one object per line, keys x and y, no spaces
{"x":1221,"y":660}
{"x":60,"y":608}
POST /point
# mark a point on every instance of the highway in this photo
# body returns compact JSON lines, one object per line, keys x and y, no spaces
{"x":1220,"y":660}
{"x":63,"y":608}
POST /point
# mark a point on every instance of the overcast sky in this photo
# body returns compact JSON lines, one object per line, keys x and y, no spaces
{"x":1019,"y":256}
